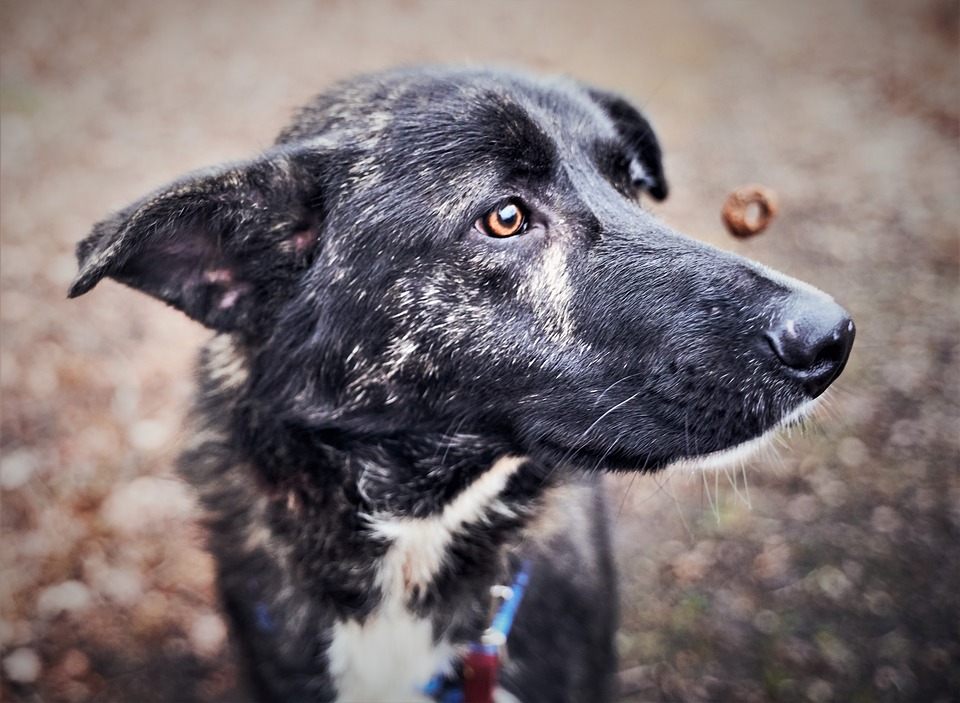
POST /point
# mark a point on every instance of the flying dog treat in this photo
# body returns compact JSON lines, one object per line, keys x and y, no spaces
{"x":743,"y":220}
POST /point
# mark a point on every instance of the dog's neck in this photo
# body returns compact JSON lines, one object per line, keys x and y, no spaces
{"x":421,"y":520}
{"x":425,"y":519}
{"x":375,"y":555}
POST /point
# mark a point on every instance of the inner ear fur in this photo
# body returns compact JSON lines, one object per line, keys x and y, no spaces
{"x":223,"y":245}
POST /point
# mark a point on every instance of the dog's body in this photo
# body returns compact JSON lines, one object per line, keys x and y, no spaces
{"x":439,"y":311}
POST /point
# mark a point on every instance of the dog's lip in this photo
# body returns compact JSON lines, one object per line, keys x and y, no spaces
{"x":587,"y":457}
{"x":731,"y":456}
{"x":738,"y":453}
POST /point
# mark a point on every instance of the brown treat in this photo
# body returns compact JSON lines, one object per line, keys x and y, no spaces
{"x":741,"y":218}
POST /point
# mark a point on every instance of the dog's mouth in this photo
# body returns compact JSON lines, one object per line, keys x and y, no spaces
{"x":588,"y":458}
{"x":738,"y":454}
{"x":622,"y":460}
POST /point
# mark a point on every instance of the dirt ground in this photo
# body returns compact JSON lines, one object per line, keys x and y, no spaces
{"x":828,"y":569}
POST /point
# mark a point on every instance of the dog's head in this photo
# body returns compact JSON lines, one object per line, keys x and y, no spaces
{"x":464,"y":251}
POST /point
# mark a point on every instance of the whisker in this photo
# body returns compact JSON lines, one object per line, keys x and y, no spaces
{"x":731,"y":472}
{"x":676,"y":504}
{"x":623,"y":500}
{"x":706,"y":489}
{"x":583,"y":435}
{"x":451,"y":440}
{"x":611,"y":386}
{"x":746,"y":484}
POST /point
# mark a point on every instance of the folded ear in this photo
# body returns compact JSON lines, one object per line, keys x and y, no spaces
{"x":224,"y":245}
{"x":640,"y":139}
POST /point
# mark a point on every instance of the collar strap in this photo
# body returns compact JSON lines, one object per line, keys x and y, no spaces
{"x":481,"y":664}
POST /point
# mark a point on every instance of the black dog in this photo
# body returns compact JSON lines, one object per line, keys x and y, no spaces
{"x":440,"y":311}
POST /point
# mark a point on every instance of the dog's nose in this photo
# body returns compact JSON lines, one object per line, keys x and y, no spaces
{"x":812,"y":339}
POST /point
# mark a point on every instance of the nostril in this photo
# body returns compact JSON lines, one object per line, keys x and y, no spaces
{"x":787,"y":344}
{"x":832,"y":351}
{"x":814,"y":348}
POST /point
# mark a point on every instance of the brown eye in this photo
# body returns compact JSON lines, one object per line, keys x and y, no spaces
{"x":505,"y":220}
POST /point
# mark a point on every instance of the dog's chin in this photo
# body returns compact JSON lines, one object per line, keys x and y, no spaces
{"x":619,"y":460}
{"x":739,"y":453}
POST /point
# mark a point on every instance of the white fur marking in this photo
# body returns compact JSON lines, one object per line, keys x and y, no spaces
{"x":501,"y":695}
{"x":551,"y":283}
{"x":420,"y":545}
{"x":393,"y":654}
{"x":227,"y":367}
{"x":388,"y":658}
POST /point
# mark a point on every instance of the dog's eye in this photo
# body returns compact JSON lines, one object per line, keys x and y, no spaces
{"x":505,"y":220}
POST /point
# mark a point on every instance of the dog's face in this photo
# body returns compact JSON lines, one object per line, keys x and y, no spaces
{"x":464,"y":252}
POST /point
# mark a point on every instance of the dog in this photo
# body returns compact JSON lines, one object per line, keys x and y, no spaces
{"x":440,"y":314}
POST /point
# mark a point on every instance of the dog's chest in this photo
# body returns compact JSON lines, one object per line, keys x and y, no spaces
{"x":394,"y":653}
{"x":390,"y":657}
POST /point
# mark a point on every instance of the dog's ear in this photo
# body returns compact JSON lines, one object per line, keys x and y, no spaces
{"x":640,"y":139}
{"x":224,"y":245}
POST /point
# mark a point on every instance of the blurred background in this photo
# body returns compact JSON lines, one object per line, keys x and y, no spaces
{"x":828,"y":569}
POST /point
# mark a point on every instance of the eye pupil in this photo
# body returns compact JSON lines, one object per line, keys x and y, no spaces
{"x":505,"y":220}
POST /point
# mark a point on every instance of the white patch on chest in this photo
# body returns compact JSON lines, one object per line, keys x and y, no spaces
{"x":392,"y":655}
{"x":388,"y":658}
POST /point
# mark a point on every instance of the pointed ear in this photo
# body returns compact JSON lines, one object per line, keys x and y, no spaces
{"x":225,"y":245}
{"x":639,"y":136}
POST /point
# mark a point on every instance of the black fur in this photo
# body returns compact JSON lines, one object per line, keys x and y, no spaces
{"x":378,"y":353}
